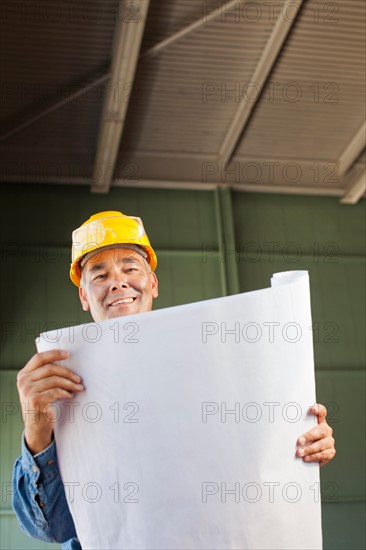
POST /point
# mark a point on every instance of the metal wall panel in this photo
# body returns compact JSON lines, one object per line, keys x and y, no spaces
{"x":312,"y":233}
{"x":11,"y":536}
{"x":37,"y":295}
{"x":276,"y":233}
{"x":36,"y":255}
{"x":350,"y":517}
{"x":317,"y":234}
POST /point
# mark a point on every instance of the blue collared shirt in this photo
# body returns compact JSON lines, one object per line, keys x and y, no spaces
{"x":39,"y":498}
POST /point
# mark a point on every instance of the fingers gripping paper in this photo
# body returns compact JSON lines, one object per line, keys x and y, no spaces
{"x":185,"y":436}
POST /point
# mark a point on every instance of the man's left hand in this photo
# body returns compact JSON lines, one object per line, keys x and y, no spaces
{"x":317,"y":445}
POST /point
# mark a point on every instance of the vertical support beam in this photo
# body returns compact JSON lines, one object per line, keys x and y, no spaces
{"x":227,"y":245}
{"x":220,"y":242}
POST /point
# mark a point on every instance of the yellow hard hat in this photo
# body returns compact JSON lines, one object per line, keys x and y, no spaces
{"x":107,"y":229}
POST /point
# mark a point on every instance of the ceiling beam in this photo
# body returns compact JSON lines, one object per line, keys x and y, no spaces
{"x":320,"y":191}
{"x":269,"y":55}
{"x":127,"y":43}
{"x":54,"y":107}
{"x":356,"y":190}
{"x":205,"y":18}
{"x":353,"y":150}
{"x":101,"y":80}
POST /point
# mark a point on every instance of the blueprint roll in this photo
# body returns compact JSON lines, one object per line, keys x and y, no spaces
{"x":185,"y":436}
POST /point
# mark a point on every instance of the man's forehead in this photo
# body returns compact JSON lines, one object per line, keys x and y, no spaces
{"x":114,"y":255}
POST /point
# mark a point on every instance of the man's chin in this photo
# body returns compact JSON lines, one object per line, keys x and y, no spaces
{"x":122,"y":311}
{"x":114,"y":312}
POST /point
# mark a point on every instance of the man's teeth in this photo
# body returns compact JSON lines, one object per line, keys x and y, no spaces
{"x":124,"y":301}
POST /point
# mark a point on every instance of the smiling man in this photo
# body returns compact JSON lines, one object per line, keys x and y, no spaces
{"x":117,"y":282}
{"x":113,"y":265}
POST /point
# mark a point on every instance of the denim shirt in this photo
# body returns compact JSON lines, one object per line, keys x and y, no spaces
{"x":39,"y":498}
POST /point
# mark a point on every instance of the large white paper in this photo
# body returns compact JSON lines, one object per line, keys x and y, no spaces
{"x":185,"y":436}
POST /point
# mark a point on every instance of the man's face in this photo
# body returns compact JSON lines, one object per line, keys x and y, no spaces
{"x":117,"y":282}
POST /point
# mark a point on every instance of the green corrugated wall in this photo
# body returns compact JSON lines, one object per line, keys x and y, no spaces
{"x":209,"y":244}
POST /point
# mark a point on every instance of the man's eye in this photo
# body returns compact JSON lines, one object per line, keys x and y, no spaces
{"x":131,"y":269}
{"x":100,"y":276}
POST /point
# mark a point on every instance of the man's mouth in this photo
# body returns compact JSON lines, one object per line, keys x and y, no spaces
{"x":122,"y":301}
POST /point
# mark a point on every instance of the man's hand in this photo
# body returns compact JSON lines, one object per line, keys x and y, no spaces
{"x":317,"y":445}
{"x":40,"y":383}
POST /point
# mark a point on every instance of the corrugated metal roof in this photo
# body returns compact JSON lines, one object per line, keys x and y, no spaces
{"x":318,"y":102}
{"x":184,"y":97}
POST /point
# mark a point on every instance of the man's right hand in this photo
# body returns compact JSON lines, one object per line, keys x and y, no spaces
{"x":40,"y":383}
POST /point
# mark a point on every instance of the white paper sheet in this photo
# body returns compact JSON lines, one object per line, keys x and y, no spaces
{"x":185,"y":436}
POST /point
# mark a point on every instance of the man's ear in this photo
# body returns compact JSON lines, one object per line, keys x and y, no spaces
{"x":84,"y":298}
{"x":154,"y":285}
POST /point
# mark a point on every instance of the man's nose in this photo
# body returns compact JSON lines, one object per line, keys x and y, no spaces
{"x":120,"y":280}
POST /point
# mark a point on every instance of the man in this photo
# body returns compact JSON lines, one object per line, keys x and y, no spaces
{"x":113,"y":265}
